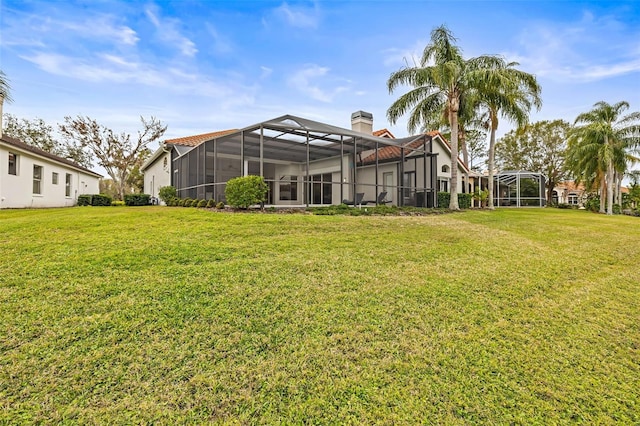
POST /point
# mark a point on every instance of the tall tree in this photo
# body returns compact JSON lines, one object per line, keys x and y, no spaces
{"x":117,"y":153}
{"x":602,"y":144}
{"x":439,"y":83}
{"x":5,"y":93}
{"x":38,"y":133}
{"x":508,"y":93}
{"x":539,"y":147}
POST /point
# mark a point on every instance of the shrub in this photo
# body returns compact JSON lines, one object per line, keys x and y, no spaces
{"x":220,"y":205}
{"x":202,"y":203}
{"x":117,"y":203}
{"x":616,"y":209}
{"x":245,"y":191}
{"x":137,"y":199}
{"x":84,"y":200}
{"x":592,"y":203}
{"x":211,"y":203}
{"x":194,"y":202}
{"x":564,"y":206}
{"x":187,"y":202}
{"x":100,"y":200}
{"x":166,"y":193}
{"x":180,"y":202}
{"x":464,"y":200}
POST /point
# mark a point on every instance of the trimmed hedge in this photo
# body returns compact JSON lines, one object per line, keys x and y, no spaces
{"x":464,"y":200}
{"x":137,"y":199}
{"x":84,"y":200}
{"x":100,"y":200}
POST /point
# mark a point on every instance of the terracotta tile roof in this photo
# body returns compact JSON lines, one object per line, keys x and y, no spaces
{"x":393,"y":152}
{"x":390,"y":152}
{"x":26,"y":147}
{"x":569,"y":185}
{"x":196,"y":140}
{"x":383,"y":133}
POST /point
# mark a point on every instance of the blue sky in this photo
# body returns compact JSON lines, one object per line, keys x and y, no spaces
{"x":202,"y":66}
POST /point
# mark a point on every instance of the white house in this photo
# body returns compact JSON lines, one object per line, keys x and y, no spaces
{"x":308,"y":163}
{"x":31,"y":177}
{"x":157,"y":169}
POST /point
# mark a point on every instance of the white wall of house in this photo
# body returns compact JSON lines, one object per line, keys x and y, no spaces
{"x":444,"y":159}
{"x":157,"y":174}
{"x":21,"y":190}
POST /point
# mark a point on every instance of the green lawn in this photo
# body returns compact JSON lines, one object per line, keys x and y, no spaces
{"x":175,"y":315}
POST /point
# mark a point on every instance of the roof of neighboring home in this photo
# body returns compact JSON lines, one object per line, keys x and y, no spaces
{"x":384,"y":133}
{"x":42,"y":153}
{"x":569,"y":185}
{"x":196,"y":140}
{"x":394,"y":152}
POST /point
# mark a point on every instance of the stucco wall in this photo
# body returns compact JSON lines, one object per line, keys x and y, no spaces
{"x":158,"y":175}
{"x":16,"y":191}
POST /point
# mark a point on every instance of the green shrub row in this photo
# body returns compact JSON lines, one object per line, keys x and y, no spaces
{"x":464,"y":200}
{"x":94,"y":200}
{"x":190,"y":202}
{"x":137,"y":199}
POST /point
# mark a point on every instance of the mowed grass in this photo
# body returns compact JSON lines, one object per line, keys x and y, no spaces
{"x":168,"y":315}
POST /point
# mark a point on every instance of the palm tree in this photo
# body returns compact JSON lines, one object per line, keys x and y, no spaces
{"x":509,"y":93}
{"x":439,"y":82}
{"x":602,"y":146}
{"x":4,"y":94}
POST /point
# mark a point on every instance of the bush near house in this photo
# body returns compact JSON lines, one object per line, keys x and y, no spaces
{"x":137,"y":199}
{"x":100,"y":200}
{"x":211,"y":203}
{"x":84,"y":200}
{"x":464,"y":200}
{"x":245,"y":191}
{"x":166,"y":193}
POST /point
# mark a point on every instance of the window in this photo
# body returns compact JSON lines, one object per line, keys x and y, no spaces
{"x":37,"y":178}
{"x":13,"y":164}
{"x":320,"y":189}
{"x":408,"y":183}
{"x":67,"y":185}
{"x":443,"y":185}
{"x":573,"y":199}
{"x":445,"y":169}
{"x":288,"y":188}
{"x":54,"y":178}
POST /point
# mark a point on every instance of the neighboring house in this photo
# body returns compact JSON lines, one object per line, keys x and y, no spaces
{"x":306,"y":162}
{"x":157,"y":169}
{"x":568,"y":192}
{"x":31,"y":177}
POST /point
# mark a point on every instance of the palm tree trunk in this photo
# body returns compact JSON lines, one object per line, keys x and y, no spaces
{"x":453,"y":201}
{"x":462,"y":136}
{"x":603,"y":193}
{"x":610,"y":185}
{"x":492,"y":161}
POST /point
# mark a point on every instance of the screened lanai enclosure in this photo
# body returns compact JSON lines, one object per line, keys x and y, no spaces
{"x":308,"y":163}
{"x":519,"y":189}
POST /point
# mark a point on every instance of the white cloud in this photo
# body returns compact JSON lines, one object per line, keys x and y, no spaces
{"x":220,"y":43}
{"x":576,"y":51}
{"x":306,"y":81}
{"x":45,"y":30}
{"x":107,"y":68}
{"x":266,"y":72}
{"x":406,"y":56}
{"x":299,"y":16}
{"x":168,"y":30}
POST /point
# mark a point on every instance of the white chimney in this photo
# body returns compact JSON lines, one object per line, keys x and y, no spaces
{"x":362,"y":122}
